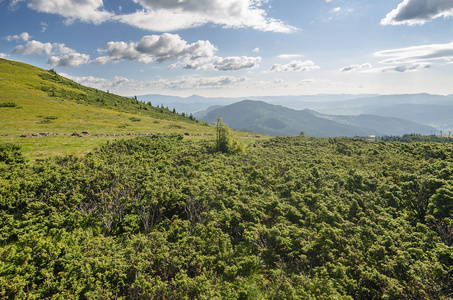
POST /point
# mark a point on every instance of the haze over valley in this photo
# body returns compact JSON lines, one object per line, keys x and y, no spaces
{"x":370,"y":114}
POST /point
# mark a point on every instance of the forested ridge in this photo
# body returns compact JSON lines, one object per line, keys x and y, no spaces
{"x":162,"y":217}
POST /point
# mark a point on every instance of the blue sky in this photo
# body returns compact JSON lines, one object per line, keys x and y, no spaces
{"x":239,"y":48}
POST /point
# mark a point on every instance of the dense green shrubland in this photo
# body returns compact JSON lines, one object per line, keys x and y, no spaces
{"x":413,"y":137}
{"x":166,"y":218}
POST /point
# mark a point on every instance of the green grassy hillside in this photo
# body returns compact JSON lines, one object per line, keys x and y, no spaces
{"x":34,"y":100}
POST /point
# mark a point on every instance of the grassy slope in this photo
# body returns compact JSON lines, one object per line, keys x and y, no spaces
{"x":47,"y":102}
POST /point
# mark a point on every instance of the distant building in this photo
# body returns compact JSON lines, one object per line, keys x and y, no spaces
{"x":369,"y":138}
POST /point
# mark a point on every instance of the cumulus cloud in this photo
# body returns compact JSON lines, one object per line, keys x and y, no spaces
{"x":170,"y":47}
{"x":167,"y":15}
{"x":60,"y":55}
{"x":34,"y":48}
{"x":38,"y":48}
{"x":356,"y":67}
{"x":68,"y":60}
{"x":417,"y":54}
{"x":3,"y":55}
{"x":89,"y":11}
{"x":295,"y":65}
{"x":24,"y":36}
{"x":412,"y":12}
{"x":170,"y":15}
{"x":155,"y":48}
{"x":234,"y":63}
{"x":256,"y":50}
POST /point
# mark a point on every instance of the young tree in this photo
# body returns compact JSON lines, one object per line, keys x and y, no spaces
{"x":224,"y":141}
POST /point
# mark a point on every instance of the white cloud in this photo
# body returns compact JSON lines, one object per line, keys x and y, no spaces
{"x":184,"y":83}
{"x":38,"y":48}
{"x":336,"y":10}
{"x":309,"y":81}
{"x":417,"y":54}
{"x":3,"y":55}
{"x":119,"y":81}
{"x":170,"y":15}
{"x":13,"y":4}
{"x":166,"y":15}
{"x":289,"y":56}
{"x":155,"y":48}
{"x":199,"y":83}
{"x":339,"y":12}
{"x":412,"y":59}
{"x":102,"y":83}
{"x":60,"y":55}
{"x":34,"y":48}
{"x":256,"y":50}
{"x":44,"y":26}
{"x":402,"y":68}
{"x":267,"y":84}
{"x":354,"y":68}
{"x":412,"y":12}
{"x":89,"y":11}
{"x":234,"y":63}
{"x":99,"y":83}
{"x":170,"y":47}
{"x":342,"y":11}
{"x":295,"y":65}
{"x":68,"y":60}
{"x":24,"y":36}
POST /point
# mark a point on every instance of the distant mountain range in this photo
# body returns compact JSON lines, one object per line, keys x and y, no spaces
{"x":403,"y":113}
{"x":197,"y":103}
{"x":276,"y":120}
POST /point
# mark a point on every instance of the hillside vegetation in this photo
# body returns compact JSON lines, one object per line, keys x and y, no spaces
{"x":164,"y":217}
{"x":33,"y":100}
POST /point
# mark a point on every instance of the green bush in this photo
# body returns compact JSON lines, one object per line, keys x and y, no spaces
{"x":8,"y":104}
{"x":10,"y":154}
